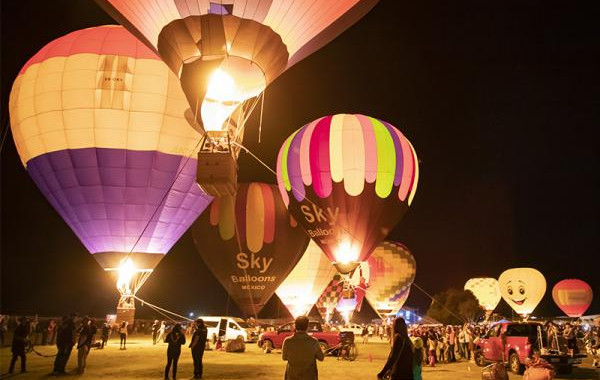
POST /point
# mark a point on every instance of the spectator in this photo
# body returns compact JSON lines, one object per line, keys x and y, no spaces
{"x":51,"y":331}
{"x":155,"y":328}
{"x":301,"y":351}
{"x":161,"y":331}
{"x":418,"y":357}
{"x":18,"y":344}
{"x":175,"y":340}
{"x":104,"y":333}
{"x":65,"y":339}
{"x":3,"y":328}
{"x":123,"y":335}
{"x":197,"y":346}
{"x":399,"y":364}
{"x":83,"y":344}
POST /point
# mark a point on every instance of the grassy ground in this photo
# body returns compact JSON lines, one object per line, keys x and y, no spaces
{"x":141,"y":360}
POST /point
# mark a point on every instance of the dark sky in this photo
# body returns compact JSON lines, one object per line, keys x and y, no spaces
{"x":500,"y":99}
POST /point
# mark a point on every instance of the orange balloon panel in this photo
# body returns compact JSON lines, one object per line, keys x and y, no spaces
{"x":572,"y":296}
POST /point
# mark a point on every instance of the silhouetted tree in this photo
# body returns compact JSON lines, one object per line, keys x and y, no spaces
{"x":454,"y":307}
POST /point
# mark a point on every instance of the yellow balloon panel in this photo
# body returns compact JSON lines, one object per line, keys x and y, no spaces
{"x":303,"y":286}
{"x":522,"y":289}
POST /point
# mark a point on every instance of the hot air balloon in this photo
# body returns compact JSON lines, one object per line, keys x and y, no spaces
{"x":250,"y":243}
{"x":227,"y":52}
{"x":348,"y":179}
{"x":303,"y":286}
{"x":329,"y":298}
{"x":572,"y":296}
{"x":98,"y":121}
{"x":392,"y":269}
{"x":522,"y":289}
{"x":487,"y":292}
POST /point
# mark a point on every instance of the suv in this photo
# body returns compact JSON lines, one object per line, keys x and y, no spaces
{"x":519,"y":339}
{"x":274,"y":339}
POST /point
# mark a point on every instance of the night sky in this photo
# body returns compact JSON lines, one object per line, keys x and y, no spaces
{"x":501,"y":101}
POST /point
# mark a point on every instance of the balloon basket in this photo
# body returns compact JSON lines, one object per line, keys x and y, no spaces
{"x":217,"y":169}
{"x":126,"y":309}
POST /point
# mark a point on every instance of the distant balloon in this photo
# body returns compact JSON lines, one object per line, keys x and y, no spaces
{"x":348,"y":179}
{"x":359,"y":283}
{"x":487,"y":292}
{"x":392,"y":271}
{"x":329,"y":298}
{"x":250,"y":243}
{"x":303,"y":286}
{"x":573,"y":297}
{"x":522,"y":289}
{"x":98,"y":121}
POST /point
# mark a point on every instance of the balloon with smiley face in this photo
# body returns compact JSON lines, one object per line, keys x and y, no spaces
{"x":522,"y":289}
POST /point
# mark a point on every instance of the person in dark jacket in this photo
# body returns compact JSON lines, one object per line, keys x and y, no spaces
{"x":400,"y":361}
{"x":65,"y":339}
{"x":301,"y":351}
{"x":175,"y":340}
{"x":104,"y":334}
{"x":18,"y":344}
{"x":84,"y":344}
{"x":197,"y":345}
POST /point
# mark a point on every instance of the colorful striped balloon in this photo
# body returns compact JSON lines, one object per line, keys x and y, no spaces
{"x":98,"y":121}
{"x":250,"y":243}
{"x":573,"y":296}
{"x":348,"y":179}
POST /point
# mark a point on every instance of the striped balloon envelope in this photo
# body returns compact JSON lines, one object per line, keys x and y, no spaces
{"x":250,"y":243}
{"x":392,"y":270}
{"x":348,"y":179}
{"x":573,"y":296}
{"x":486,"y":290}
{"x":303,"y":286}
{"x":329,"y":298}
{"x":98,"y":121}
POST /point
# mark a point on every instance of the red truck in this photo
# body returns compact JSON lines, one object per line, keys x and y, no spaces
{"x":274,"y":339}
{"x":519,"y":339}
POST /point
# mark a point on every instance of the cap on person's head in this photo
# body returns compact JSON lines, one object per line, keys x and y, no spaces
{"x":301,"y":323}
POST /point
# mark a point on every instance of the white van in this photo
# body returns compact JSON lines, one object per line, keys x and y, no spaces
{"x":228,"y":328}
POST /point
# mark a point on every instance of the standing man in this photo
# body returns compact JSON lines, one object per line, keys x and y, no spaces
{"x":104,"y":334}
{"x":65,"y":339}
{"x":301,"y":352}
{"x":197,"y":345}
{"x":18,"y":344}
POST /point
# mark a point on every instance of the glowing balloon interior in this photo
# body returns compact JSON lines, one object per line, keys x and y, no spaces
{"x":573,"y":297}
{"x":303,"y":286}
{"x":98,"y":121}
{"x":486,"y":290}
{"x":348,"y":179}
{"x":522,"y":289}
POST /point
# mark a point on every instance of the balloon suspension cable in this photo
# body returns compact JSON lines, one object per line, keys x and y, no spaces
{"x":161,"y":310}
{"x":4,"y":133}
{"x":262,"y":107}
{"x":348,"y":232}
{"x":442,"y":305}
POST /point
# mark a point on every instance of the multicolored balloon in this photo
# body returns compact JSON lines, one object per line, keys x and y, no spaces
{"x":573,"y":296}
{"x":486,"y":290}
{"x":359,"y":283}
{"x":522,"y":289}
{"x":226,"y":52}
{"x":329,"y":298}
{"x":303,"y":286}
{"x":392,"y":270}
{"x":348,"y":179}
{"x":98,"y":121}
{"x":250,"y":243}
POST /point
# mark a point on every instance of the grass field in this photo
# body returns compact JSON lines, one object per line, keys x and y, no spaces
{"x":141,"y":360}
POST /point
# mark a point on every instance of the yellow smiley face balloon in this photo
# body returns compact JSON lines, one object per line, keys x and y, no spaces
{"x":522,"y":289}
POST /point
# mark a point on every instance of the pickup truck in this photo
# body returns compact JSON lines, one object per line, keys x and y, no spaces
{"x":274,"y":339}
{"x":514,"y":342}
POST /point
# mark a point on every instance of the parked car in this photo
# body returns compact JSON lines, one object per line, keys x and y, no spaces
{"x":514,"y":342}
{"x":355,"y":328}
{"x":274,"y":339}
{"x":229,"y":328}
